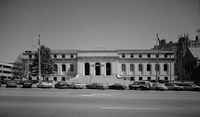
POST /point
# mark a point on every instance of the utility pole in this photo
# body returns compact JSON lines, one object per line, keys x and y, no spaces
{"x":157,"y":56}
{"x":39,"y":60}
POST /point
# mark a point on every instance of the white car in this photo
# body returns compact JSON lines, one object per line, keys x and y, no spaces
{"x":159,"y":86}
{"x":45,"y":84}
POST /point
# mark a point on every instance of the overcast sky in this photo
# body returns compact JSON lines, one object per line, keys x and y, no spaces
{"x":93,"y":24}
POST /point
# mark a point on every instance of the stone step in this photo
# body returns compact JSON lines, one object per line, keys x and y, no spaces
{"x":108,"y":80}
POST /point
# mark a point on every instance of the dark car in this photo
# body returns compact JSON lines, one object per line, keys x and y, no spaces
{"x":173,"y":86}
{"x":27,"y":84}
{"x":95,"y":86}
{"x":63,"y":85}
{"x":11,"y":84}
{"x":117,"y":86}
{"x":140,"y":85}
{"x":189,"y":86}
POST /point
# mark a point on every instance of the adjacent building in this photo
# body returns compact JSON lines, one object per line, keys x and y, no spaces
{"x":6,"y":70}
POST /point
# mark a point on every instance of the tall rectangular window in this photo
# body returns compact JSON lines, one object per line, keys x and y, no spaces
{"x":132,"y":67}
{"x":148,"y":67}
{"x":71,"y":67}
{"x":165,"y":67}
{"x":140,"y":67}
{"x":123,"y":68}
{"x":63,"y":67}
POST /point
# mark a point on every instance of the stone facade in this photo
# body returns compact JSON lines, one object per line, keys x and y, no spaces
{"x":125,"y":64}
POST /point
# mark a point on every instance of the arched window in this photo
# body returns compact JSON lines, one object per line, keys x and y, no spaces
{"x":148,"y":67}
{"x":140,"y":67}
{"x":123,"y":68}
{"x":108,"y":69}
{"x":63,"y":67}
{"x":87,"y":69}
{"x":165,"y":66}
{"x":157,"y":67}
{"x":55,"y":66}
{"x":132,"y":67}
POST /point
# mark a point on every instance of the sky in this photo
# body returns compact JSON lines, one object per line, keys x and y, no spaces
{"x":93,"y":24}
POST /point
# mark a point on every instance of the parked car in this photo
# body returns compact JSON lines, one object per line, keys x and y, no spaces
{"x":11,"y":84}
{"x":27,"y":84}
{"x":189,"y":86}
{"x":19,"y":81}
{"x":117,"y":86}
{"x":140,"y":85}
{"x":95,"y":86}
{"x":173,"y":86}
{"x":63,"y":85}
{"x":45,"y":84}
{"x":79,"y":86}
{"x":197,"y":83}
{"x":158,"y":86}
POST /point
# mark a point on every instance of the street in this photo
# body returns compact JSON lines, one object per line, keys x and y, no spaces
{"x":34,"y":102}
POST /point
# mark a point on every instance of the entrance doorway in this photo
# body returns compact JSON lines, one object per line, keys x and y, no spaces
{"x":87,"y":69}
{"x":98,"y":69}
{"x":108,"y":69}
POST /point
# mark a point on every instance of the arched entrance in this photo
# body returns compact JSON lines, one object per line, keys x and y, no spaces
{"x":87,"y":69}
{"x":108,"y":69}
{"x":98,"y":69}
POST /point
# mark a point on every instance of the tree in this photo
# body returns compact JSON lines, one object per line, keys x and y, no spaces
{"x":19,"y":68}
{"x":46,"y":62}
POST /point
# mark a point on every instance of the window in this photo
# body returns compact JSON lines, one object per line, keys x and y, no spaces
{"x":131,"y":55}
{"x":30,"y":56}
{"x":149,"y":55}
{"x":157,"y":55}
{"x":123,"y":68}
{"x":165,"y":67}
{"x":166,"y":55}
{"x":140,"y":78}
{"x":140,"y":55}
{"x":132,"y":67}
{"x":157,"y":67}
{"x":63,"y":79}
{"x":140,"y":67}
{"x":55,"y":78}
{"x":132,"y":79}
{"x":63,"y":67}
{"x":148,"y":78}
{"x":72,"y":56}
{"x":71,"y":67}
{"x":166,"y":78}
{"x":63,"y":55}
{"x":55,"y":66}
{"x":148,"y":67}
{"x":123,"y":55}
{"x":55,"y":56}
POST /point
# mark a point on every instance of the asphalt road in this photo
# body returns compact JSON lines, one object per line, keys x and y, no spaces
{"x":18,"y":102}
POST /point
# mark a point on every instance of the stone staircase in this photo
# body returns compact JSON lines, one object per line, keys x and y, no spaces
{"x":106,"y":80}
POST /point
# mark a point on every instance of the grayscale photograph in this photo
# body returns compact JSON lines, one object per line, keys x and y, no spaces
{"x":100,"y":58}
